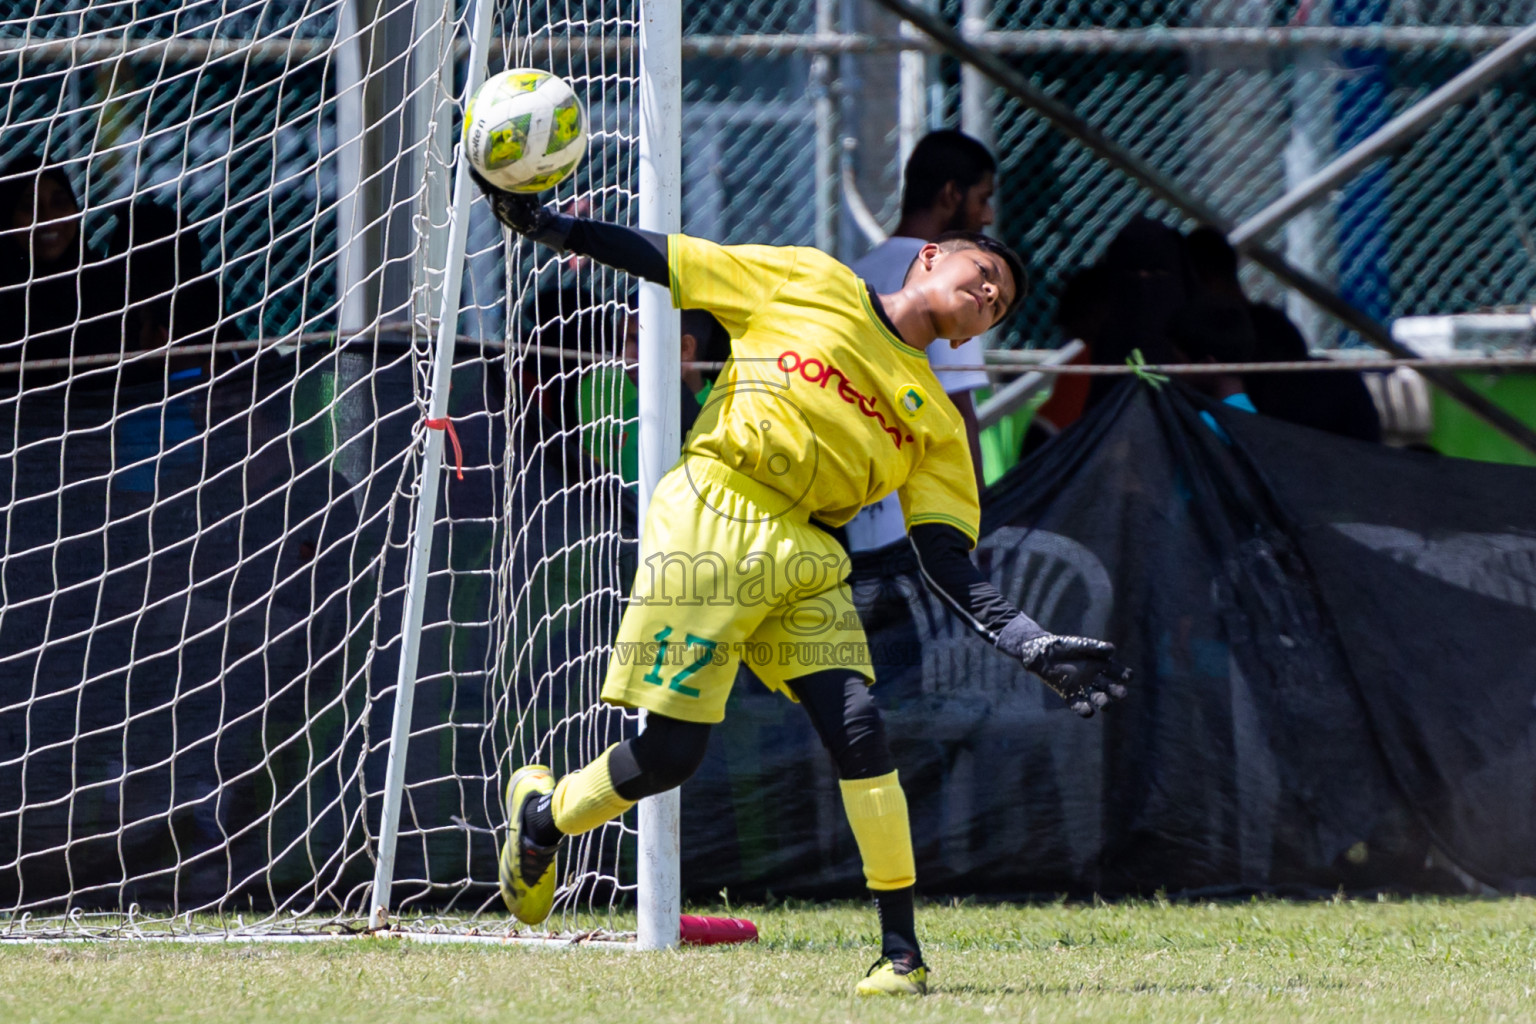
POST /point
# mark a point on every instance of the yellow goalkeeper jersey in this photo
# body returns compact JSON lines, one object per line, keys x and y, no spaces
{"x":820,"y":400}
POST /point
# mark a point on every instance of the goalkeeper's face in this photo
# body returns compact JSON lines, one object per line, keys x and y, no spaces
{"x":967,"y":290}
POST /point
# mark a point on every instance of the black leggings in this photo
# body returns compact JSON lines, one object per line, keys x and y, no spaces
{"x":844,"y":715}
{"x":847,"y":721}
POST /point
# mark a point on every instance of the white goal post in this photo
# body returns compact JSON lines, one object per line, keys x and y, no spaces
{"x":314,"y":526}
{"x":658,"y":895}
{"x":661,"y":174}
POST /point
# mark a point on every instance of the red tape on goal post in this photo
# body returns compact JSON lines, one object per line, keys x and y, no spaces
{"x":458,"y":453}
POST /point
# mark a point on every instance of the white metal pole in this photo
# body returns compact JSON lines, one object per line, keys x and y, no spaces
{"x":350,"y":296}
{"x":1308,"y":147}
{"x":858,"y":209}
{"x":976,"y":115}
{"x":911,"y":95}
{"x":1010,"y":42}
{"x":1025,"y":386}
{"x":1396,"y":133}
{"x":659,"y":893}
{"x":826,"y":133}
{"x":420,"y":563}
{"x":429,"y":113}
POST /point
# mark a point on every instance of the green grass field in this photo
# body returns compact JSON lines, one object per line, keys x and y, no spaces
{"x":1416,"y":960}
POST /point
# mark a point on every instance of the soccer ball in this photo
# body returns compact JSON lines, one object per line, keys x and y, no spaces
{"x":525,"y":130}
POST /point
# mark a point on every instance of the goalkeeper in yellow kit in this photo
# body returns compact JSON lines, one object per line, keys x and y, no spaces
{"x":826,"y":405}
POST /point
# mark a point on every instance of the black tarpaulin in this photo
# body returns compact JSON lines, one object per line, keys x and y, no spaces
{"x":1335,"y":645}
{"x":200,"y":630}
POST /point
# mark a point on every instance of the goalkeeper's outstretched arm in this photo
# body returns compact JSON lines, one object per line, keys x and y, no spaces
{"x":641,"y":253}
{"x":1081,"y":670}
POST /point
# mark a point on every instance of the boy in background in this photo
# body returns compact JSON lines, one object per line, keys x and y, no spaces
{"x":947,"y":185}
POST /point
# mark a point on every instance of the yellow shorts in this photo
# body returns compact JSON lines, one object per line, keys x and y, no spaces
{"x":727,"y":576}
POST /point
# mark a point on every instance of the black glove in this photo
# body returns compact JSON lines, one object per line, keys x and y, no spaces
{"x":523,"y":213}
{"x":1082,"y":671}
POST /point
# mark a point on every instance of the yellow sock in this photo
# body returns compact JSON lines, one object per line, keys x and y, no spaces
{"x":585,"y":799}
{"x":877,"y":811}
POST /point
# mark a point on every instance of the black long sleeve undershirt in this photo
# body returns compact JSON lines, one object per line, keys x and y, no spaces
{"x":641,"y":253}
{"x":943,"y":552}
{"x":943,"y":557}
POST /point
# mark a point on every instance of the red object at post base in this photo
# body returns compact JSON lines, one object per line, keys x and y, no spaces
{"x":714,"y":931}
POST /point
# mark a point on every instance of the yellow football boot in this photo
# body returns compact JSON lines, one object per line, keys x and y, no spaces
{"x":527,"y":872}
{"x":901,"y":977}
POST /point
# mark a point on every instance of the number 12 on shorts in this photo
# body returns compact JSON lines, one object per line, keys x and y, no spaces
{"x":706,"y":653}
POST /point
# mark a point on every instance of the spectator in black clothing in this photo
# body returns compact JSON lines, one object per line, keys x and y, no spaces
{"x":1081,"y":305}
{"x":1214,"y":328}
{"x":169,"y":296}
{"x":56,"y":298}
{"x":1082,"y":309}
{"x":570,"y":327}
{"x":575,"y":395}
{"x":1333,"y":401}
{"x":703,"y":341}
{"x":1146,"y":280}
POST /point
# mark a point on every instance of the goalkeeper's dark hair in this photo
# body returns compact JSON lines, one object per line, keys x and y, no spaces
{"x":939,"y":158}
{"x":954,"y":241}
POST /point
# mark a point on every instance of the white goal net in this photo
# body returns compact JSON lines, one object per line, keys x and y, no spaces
{"x":223,"y":256}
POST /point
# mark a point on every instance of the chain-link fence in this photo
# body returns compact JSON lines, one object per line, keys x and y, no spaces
{"x":1236,"y":99}
{"x":235,"y":136}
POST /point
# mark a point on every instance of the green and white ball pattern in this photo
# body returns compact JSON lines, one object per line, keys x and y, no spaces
{"x":525,"y":130}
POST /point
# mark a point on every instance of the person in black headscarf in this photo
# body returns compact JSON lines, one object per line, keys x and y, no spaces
{"x":1335,"y":401}
{"x":1214,"y":328}
{"x":170,"y":298}
{"x":56,"y":298}
{"x":1145,"y":281}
